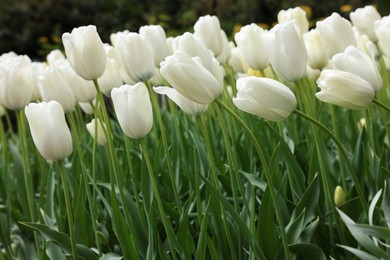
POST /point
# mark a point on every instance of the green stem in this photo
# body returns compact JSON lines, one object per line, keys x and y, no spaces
{"x":380,"y":104}
{"x":26,"y":170}
{"x":156,"y":108}
{"x":68,"y":209}
{"x":343,"y":153}
{"x":164,"y":218}
{"x":73,"y":126}
{"x":267,"y":175}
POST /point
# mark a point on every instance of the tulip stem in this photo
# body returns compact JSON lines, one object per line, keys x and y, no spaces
{"x":68,"y":209}
{"x":73,"y":125}
{"x":26,"y":170}
{"x":380,"y":104}
{"x":267,"y":175}
{"x":165,"y":143}
{"x":166,"y":224}
{"x":343,"y":153}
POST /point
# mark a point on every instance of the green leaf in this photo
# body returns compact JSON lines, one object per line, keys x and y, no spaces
{"x":255,"y":181}
{"x":202,"y":241}
{"x":372,"y":206}
{"x":385,"y":206}
{"x":111,"y":256}
{"x":61,"y":239}
{"x":359,"y":253}
{"x":375,"y":231}
{"x":305,"y":251}
{"x":295,"y":228}
{"x":53,"y":251}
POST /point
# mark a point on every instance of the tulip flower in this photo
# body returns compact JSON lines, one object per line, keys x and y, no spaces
{"x":100,"y":130}
{"x":111,"y":77}
{"x":236,"y":61}
{"x":358,"y":62}
{"x":190,"y":78}
{"x":88,"y":108}
{"x":208,"y":29}
{"x":49,"y":130}
{"x":16,"y":81}
{"x":85,"y":52}
{"x":155,"y":36}
{"x":264,"y":97}
{"x":286,"y":51}
{"x":53,"y":86}
{"x":38,"y":69}
{"x":133,"y":109}
{"x":185,"y":104}
{"x":194,"y":47}
{"x":382,"y":31}
{"x":363,"y":19}
{"x":337,"y":33}
{"x":54,"y":56}
{"x":344,"y":89}
{"x":316,"y":47}
{"x":298,"y":15}
{"x":226,"y":50}
{"x":135,"y":56}
{"x":250,"y":42}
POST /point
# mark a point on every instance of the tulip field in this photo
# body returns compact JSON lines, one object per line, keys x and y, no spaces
{"x":273,"y":144}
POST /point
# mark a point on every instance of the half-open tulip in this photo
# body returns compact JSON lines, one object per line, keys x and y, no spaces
{"x":364,"y":19}
{"x":49,"y":130}
{"x":264,"y":97}
{"x":85,"y":52}
{"x":190,"y":78}
{"x":133,"y":109}
{"x":344,"y":89}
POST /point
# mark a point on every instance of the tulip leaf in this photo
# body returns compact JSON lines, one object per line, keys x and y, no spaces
{"x":359,"y":253}
{"x":61,"y":239}
{"x":111,"y":256}
{"x":305,"y":251}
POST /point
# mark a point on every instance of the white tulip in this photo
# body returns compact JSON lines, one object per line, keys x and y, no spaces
{"x":99,"y":129}
{"x":363,"y":19}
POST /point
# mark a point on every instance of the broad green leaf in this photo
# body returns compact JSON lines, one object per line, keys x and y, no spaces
{"x":111,"y":256}
{"x":375,"y":231}
{"x":295,"y":228}
{"x":359,"y":253}
{"x":305,"y":251}
{"x":61,"y":239}
{"x":54,"y":252}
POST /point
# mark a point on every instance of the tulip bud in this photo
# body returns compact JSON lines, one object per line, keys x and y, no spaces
{"x":38,"y":69}
{"x":382,"y":31}
{"x":155,"y":36}
{"x":344,"y":89}
{"x":250,"y":42}
{"x":236,"y":61}
{"x":54,"y":56}
{"x":264,"y":97}
{"x":53,"y":86}
{"x":194,"y":48}
{"x":135,"y":55}
{"x":358,"y":62}
{"x":339,"y":196}
{"x":49,"y":130}
{"x":188,"y":106}
{"x":111,"y":77}
{"x":100,"y":131}
{"x":316,"y":48}
{"x":208,"y":28}
{"x":337,"y":33}
{"x":88,"y":108}
{"x":85,"y":52}
{"x":133,"y":109}
{"x":298,"y":15}
{"x":191,"y":79}
{"x":363,"y":19}
{"x":286,"y":51}
{"x":16,"y":81}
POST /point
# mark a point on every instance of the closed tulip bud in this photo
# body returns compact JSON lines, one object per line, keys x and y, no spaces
{"x":111,"y":77}
{"x":236,"y":61}
{"x":85,"y":52}
{"x":339,"y":196}
{"x":135,"y":56}
{"x":382,"y":31}
{"x":53,"y":86}
{"x":298,"y":15}
{"x":194,"y":47}
{"x":157,"y":40}
{"x":316,"y":47}
{"x":363,"y":19}
{"x":99,"y":129}
{"x":54,"y":56}
{"x":83,"y":90}
{"x":88,"y":108}
{"x":264,"y":97}
{"x":49,"y":130}
{"x":344,"y":89}
{"x":133,"y":109}
{"x":16,"y":81}
{"x":337,"y":33}
{"x":286,"y":51}
{"x":191,"y":79}
{"x":208,"y":28}
{"x":185,"y":104}
{"x":250,"y":42}
{"x":358,"y":62}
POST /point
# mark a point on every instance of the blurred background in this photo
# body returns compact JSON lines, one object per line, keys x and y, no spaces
{"x":34,"y":27}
